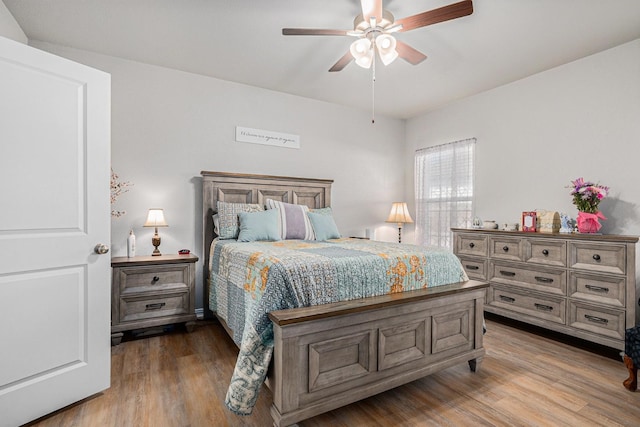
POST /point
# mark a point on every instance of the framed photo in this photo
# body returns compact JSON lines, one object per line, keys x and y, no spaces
{"x":529,"y":221}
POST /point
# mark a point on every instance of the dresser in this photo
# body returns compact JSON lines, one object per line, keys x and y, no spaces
{"x":579,"y":284}
{"x":149,"y":291}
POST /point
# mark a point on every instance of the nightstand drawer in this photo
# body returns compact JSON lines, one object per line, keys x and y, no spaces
{"x":137,"y":303}
{"x":153,"y":276}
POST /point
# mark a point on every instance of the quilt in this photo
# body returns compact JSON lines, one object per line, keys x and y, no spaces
{"x":249,"y":280}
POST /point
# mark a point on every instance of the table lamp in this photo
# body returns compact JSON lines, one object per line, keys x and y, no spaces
{"x":400,"y":215}
{"x":155,"y":218}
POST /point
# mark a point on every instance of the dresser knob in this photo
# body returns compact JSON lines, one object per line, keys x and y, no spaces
{"x":156,"y":278}
{"x":596,"y":257}
{"x":505,"y":248}
{"x":545,"y":252}
{"x":472,"y":245}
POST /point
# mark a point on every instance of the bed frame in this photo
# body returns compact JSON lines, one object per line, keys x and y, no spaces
{"x":331,"y":355}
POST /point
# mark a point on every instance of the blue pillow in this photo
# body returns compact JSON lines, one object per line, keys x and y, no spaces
{"x":256,"y":226}
{"x":324,"y":226}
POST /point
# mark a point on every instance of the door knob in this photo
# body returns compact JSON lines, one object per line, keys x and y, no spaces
{"x":101,"y":249}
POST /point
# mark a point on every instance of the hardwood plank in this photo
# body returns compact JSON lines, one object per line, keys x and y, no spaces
{"x":529,"y":377}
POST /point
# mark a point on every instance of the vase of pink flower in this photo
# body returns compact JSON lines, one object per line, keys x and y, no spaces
{"x":587,"y":196}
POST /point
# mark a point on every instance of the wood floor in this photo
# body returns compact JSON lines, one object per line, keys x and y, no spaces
{"x":526,"y":379}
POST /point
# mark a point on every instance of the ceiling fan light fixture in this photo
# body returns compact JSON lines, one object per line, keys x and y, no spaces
{"x":362,"y":52}
{"x":386,"y":46}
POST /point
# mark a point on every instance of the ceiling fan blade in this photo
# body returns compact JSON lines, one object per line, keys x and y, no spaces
{"x":371,"y":8}
{"x":313,"y":32}
{"x":409,"y":54}
{"x":342,"y":62}
{"x":435,"y":16}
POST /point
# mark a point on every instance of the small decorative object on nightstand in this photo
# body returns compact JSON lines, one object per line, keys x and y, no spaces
{"x":400,"y":215}
{"x":155,"y":218}
{"x":147,"y":291}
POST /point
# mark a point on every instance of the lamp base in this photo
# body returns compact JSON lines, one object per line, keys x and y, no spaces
{"x":155,"y":241}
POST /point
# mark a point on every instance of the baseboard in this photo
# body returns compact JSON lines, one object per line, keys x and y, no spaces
{"x":200,"y":313}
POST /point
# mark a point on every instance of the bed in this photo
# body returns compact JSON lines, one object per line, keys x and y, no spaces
{"x":326,"y":356}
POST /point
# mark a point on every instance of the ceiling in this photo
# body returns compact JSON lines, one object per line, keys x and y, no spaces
{"x":241,"y":41}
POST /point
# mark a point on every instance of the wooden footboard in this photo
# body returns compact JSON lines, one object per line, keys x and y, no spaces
{"x":329,"y":356}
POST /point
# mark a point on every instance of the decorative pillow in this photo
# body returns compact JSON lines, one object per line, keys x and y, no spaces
{"x":293,"y":221}
{"x":228,"y":217}
{"x":256,"y":226}
{"x":324,"y":226}
{"x":216,"y":224}
{"x":323,"y":211}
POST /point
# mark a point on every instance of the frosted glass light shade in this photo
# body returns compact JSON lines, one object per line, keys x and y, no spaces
{"x":386,"y":45}
{"x":362,"y":52}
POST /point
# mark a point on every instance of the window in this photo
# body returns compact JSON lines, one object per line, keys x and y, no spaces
{"x":444,"y":191}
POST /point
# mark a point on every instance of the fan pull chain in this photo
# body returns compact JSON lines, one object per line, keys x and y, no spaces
{"x":373,"y":91}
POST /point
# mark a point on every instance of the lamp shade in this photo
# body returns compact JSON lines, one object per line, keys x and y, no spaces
{"x":155,"y":218}
{"x":399,"y":213}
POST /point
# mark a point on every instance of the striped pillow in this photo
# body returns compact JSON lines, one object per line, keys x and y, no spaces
{"x":293,"y":221}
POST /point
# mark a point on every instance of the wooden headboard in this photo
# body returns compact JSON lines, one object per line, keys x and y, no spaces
{"x":249,"y":188}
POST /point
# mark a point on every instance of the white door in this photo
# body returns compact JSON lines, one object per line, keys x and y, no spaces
{"x":54,"y":209}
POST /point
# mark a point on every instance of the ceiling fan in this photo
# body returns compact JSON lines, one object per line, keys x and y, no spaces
{"x":373,"y":29}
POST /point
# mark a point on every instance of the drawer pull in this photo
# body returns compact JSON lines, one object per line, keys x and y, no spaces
{"x":507,"y":273}
{"x":505,"y":248}
{"x":545,"y":252}
{"x":472,"y":267}
{"x":544,"y":279}
{"x":595,"y":288}
{"x":155,"y":306}
{"x":155,"y":279}
{"x":543,"y":307}
{"x":596,"y":257}
{"x":472,"y":245}
{"x":596,"y":319}
{"x":507,"y":299}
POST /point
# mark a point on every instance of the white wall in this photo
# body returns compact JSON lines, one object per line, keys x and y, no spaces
{"x":169,"y":125}
{"x":537,"y":134}
{"x":9,"y":28}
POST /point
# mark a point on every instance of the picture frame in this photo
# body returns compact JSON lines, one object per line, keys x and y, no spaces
{"x":529,"y":219}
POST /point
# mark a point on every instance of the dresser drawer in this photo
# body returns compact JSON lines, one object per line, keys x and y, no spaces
{"x":546,"y":252}
{"x":475,"y":268}
{"x":475,"y":244}
{"x":540,"y":306}
{"x":599,"y":320}
{"x":609,"y":258}
{"x":506,"y":248}
{"x":165,"y":300}
{"x":553,"y":281}
{"x":152,"y":276}
{"x":608,"y":290}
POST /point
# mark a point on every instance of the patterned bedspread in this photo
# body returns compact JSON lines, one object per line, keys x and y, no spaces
{"x":249,"y":280}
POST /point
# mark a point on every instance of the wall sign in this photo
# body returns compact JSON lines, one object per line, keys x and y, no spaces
{"x":258,"y":136}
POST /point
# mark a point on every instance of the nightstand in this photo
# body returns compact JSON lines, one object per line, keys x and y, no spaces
{"x":149,"y":291}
